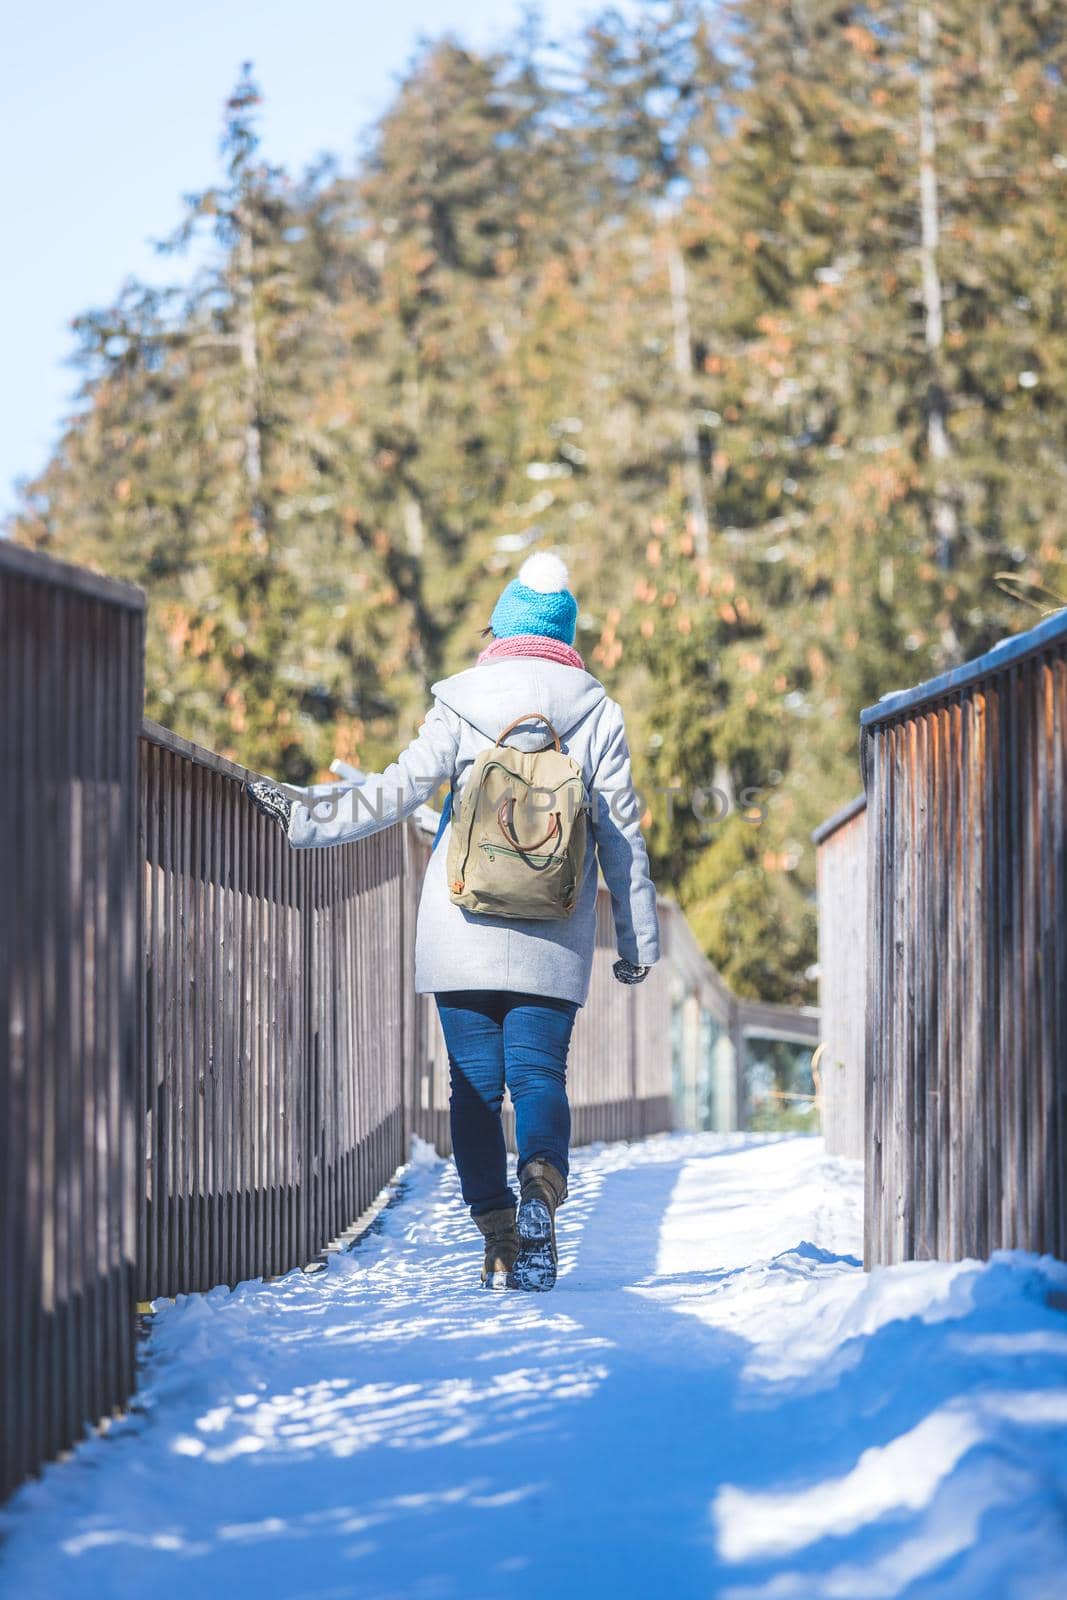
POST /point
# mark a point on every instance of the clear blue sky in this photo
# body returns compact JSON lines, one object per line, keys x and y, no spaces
{"x":112,"y":111}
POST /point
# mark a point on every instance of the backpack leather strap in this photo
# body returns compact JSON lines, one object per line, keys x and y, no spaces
{"x":531,"y":716}
{"x":506,"y":817}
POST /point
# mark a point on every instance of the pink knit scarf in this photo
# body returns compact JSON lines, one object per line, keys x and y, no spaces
{"x":532,"y":644}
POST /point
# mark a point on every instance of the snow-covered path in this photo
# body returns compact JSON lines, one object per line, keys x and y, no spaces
{"x":714,"y":1402}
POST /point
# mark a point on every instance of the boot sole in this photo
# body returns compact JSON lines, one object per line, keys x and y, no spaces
{"x":535,"y":1270}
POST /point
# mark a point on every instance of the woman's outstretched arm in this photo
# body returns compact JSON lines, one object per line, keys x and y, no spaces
{"x":382,"y":797}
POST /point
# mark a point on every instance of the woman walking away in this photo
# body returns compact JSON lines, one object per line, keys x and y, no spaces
{"x":538,"y":769}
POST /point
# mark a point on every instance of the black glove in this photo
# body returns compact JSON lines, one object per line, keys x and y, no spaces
{"x":269,"y":799}
{"x":626,"y":972}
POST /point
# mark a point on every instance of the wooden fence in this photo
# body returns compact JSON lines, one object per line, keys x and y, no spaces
{"x":966,"y":1043}
{"x":273,"y":1028}
{"x":70,"y":703}
{"x":841,"y":874}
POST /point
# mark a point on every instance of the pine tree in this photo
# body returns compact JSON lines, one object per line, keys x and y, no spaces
{"x":210,"y":465}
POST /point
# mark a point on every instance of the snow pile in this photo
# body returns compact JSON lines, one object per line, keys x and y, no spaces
{"x":715,"y":1402}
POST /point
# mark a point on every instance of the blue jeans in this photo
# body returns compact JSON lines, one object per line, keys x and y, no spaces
{"x":495,"y":1037}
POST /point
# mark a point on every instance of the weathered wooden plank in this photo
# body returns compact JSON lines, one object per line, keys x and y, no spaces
{"x":967,"y":967}
{"x":70,"y":681}
{"x":841,"y":872}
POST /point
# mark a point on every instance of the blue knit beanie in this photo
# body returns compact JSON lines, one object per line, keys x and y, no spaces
{"x":537,"y":601}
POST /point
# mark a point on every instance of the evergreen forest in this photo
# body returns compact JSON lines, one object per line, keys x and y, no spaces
{"x":755,"y":311}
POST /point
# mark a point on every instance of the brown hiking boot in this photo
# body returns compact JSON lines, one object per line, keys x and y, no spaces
{"x":501,"y":1247}
{"x":543,"y":1189}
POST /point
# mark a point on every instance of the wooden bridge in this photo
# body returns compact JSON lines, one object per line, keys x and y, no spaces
{"x":211,"y":1056}
{"x":212,"y":1059}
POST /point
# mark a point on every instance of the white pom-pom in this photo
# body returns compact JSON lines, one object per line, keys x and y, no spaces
{"x":544,"y":572}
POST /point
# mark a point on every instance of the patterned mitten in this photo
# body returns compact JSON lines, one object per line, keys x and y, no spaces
{"x":626,"y":972}
{"x":269,"y":799}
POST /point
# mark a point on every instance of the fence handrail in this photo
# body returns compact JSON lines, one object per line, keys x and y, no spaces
{"x":167,"y":739}
{"x":838,"y":819}
{"x":768,"y":1019}
{"x":23,"y":562}
{"x":1008,"y":653}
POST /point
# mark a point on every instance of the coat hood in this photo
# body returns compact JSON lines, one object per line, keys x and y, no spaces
{"x":494,"y":694}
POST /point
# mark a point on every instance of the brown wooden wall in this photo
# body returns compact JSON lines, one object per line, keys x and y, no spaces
{"x":841,"y":875}
{"x":966,"y":1041}
{"x":70,"y":704}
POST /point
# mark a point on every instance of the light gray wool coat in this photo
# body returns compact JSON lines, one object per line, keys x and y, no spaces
{"x":457,"y":949}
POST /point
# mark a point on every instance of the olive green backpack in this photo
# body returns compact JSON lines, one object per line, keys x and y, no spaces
{"x":519,"y":830}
